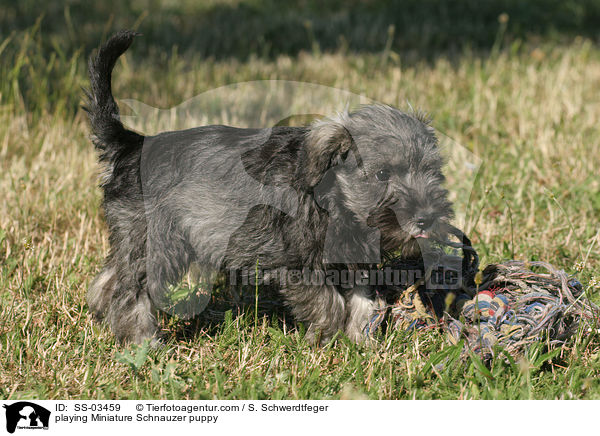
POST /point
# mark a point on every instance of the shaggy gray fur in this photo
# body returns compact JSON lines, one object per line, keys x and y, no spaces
{"x":338,"y":194}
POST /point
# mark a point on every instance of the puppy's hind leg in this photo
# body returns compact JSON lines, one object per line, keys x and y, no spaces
{"x":131,"y":314}
{"x":101,"y":290}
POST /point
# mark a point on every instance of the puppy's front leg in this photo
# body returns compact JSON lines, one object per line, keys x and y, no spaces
{"x":359,"y":310}
{"x":323,"y":308}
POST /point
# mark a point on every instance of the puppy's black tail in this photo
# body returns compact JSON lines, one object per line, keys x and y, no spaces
{"x":109,"y":134}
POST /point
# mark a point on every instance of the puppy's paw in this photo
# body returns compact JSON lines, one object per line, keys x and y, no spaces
{"x":356,"y":335}
{"x":317,"y":337}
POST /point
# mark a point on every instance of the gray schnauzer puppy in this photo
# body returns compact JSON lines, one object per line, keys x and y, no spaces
{"x":335,"y":195}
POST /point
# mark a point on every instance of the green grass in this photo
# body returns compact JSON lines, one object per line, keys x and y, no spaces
{"x":529,"y":110}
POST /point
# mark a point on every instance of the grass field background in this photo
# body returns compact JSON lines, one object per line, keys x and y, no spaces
{"x":516,"y":83}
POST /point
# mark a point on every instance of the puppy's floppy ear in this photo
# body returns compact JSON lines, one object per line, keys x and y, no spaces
{"x":326,"y":144}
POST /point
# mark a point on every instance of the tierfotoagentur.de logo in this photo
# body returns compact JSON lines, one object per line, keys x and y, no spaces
{"x":25,"y":415}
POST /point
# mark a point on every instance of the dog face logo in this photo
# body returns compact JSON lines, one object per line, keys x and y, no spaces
{"x":26,"y":415}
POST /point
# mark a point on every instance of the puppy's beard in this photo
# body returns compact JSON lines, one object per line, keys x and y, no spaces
{"x":402,"y":243}
{"x":404,"y":238}
{"x":409,"y":241}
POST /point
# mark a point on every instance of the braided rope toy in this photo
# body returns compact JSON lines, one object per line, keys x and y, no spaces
{"x":511,"y":304}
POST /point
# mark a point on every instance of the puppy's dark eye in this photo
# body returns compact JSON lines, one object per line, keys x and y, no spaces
{"x":383,"y":175}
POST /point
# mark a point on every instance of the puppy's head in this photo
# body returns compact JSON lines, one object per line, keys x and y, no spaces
{"x":382,"y":168}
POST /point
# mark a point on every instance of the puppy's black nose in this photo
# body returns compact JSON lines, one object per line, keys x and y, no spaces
{"x":424,"y":222}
